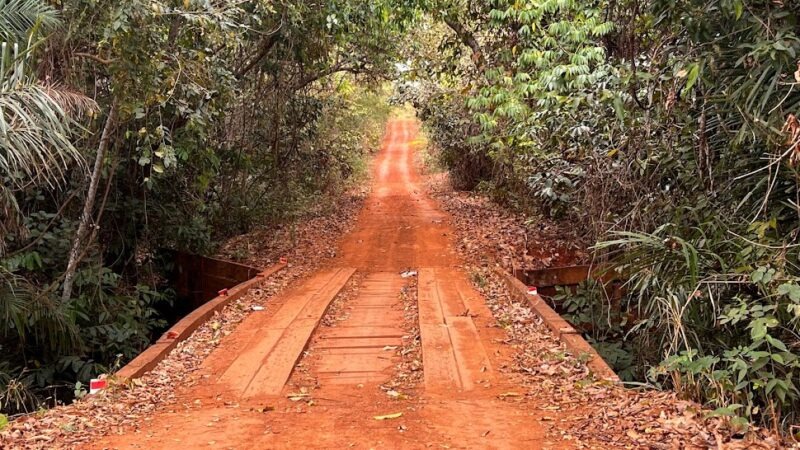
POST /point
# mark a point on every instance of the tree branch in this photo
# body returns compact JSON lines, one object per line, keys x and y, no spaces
{"x":267,"y":43}
{"x":94,"y":58}
{"x":326,"y":73}
{"x":468,"y":39}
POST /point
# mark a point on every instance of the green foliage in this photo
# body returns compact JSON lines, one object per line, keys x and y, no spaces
{"x":450,"y":127}
{"x":229,"y":115}
{"x":592,"y":310}
{"x":47,"y":343}
{"x":36,"y":134}
{"x":79,"y":391}
{"x":667,"y":132}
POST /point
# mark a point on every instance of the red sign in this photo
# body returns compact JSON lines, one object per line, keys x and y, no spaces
{"x":97,"y":385}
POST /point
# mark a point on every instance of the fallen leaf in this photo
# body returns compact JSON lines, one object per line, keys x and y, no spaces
{"x":389,"y":416}
{"x":510,"y":394}
{"x":396,"y":395}
{"x":297,"y":397}
{"x":633,"y":435}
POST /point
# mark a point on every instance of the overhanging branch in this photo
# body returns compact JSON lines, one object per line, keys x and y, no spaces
{"x":468,"y":39}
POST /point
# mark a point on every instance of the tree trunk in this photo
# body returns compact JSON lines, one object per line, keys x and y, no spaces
{"x":86,"y":218}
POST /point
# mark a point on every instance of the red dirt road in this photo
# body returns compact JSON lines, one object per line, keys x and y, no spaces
{"x":315,"y":369}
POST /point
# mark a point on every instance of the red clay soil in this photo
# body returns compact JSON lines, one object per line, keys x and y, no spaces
{"x":254,"y":396}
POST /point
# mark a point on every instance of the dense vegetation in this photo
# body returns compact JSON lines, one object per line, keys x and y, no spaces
{"x":667,"y":131}
{"x":134,"y":126}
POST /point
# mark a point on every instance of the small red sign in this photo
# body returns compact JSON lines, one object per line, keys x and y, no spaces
{"x":97,"y":385}
{"x":532,"y":290}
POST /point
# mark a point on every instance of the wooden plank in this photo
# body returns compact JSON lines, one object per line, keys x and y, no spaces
{"x":453,"y":355}
{"x":430,"y":307}
{"x":278,"y":367}
{"x":449,"y":295}
{"x":265,"y":332}
{"x":439,"y":364}
{"x":364,"y":342}
{"x":244,"y":367}
{"x":473,"y":362}
{"x":363,"y":331}
{"x":370,"y":317}
{"x":440,"y":369}
{"x":279,"y":364}
{"x":365,"y":362}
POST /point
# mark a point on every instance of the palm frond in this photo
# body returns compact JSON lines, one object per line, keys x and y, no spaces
{"x":75,"y":104}
{"x":35,"y":129}
{"x":11,"y":222}
{"x":32,"y":316}
{"x":14,"y":297}
{"x":19,"y":17}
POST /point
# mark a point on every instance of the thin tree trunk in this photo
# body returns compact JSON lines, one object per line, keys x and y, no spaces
{"x":86,"y":219}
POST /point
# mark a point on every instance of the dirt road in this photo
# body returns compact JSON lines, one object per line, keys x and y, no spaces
{"x":356,"y":341}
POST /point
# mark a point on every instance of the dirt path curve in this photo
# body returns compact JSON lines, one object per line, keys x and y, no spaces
{"x":332,"y":353}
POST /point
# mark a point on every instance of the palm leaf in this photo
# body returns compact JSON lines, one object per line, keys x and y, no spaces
{"x":19,"y":17}
{"x":35,"y":129}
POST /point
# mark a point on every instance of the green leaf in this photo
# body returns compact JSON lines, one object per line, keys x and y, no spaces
{"x":3,"y":421}
{"x":728,"y":411}
{"x":619,"y":108}
{"x":691,"y":79}
{"x":771,"y":385}
{"x":738,"y":8}
{"x":790,"y":289}
{"x":777,"y":343}
{"x":758,"y":329}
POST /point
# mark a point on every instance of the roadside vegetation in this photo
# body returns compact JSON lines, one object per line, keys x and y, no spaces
{"x":133,"y":127}
{"x":666,"y":134}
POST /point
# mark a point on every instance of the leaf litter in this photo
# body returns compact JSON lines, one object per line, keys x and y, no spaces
{"x":586,"y":412}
